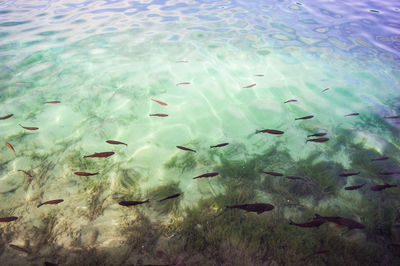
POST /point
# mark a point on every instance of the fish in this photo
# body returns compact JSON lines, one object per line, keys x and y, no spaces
{"x":317,"y":135}
{"x":100,"y":154}
{"x":51,"y":202}
{"x":160,"y":102}
{"x":273,"y":173}
{"x":381,"y":187}
{"x":116,"y":142}
{"x":10,"y":146}
{"x":207,"y":175}
{"x":185,"y":149}
{"x":348,"y":174}
{"x":383,"y":158}
{"x":325,"y":89}
{"x":183,"y":83}
{"x":46,"y":263}
{"x":159,"y":115}
{"x":270,"y":131}
{"x":8,"y":219}
{"x":350,"y":224}
{"x":392,"y":117}
{"x":352,"y":114}
{"x":250,"y":86}
{"x":219,"y":145}
{"x":316,"y":222}
{"x":254,"y":207}
{"x":259,"y":75}
{"x":6,"y":117}
{"x":18,"y":248}
{"x":171,"y":197}
{"x":304,"y":117}
{"x":53,"y":102}
{"x":319,"y":252}
{"x":390,"y":173}
{"x":182,"y":61}
{"x":354,"y":187}
{"x":295,"y":177}
{"x":131,"y":203}
{"x":26,"y":173}
{"x":291,"y":101}
{"x":29,"y":128}
{"x":318,"y":140}
{"x":85,"y":173}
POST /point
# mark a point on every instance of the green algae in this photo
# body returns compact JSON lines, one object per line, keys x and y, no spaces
{"x":163,"y":191}
{"x":183,"y":162}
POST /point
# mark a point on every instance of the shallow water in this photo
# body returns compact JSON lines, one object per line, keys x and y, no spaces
{"x":106,"y":60}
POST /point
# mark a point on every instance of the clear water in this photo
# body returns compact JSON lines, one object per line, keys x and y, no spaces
{"x":105,"y":61}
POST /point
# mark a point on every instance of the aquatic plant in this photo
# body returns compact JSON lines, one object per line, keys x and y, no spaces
{"x":163,"y":191}
{"x":184,"y":162}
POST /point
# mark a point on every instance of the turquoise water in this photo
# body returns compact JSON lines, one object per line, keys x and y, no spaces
{"x":107,"y":61}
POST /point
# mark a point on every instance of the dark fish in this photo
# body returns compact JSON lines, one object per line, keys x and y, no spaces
{"x":185,"y":149}
{"x":352,"y":114}
{"x":325,"y":89}
{"x":270,"y":131}
{"x":46,"y":263}
{"x":318,"y":140}
{"x":319,"y":252}
{"x":220,"y":145}
{"x":10,"y":146}
{"x":383,"y":158}
{"x":131,"y":203}
{"x":349,"y":174}
{"x":259,"y":75}
{"x":183,"y":83}
{"x":159,"y":102}
{"x":29,"y":128}
{"x":159,"y":115}
{"x":316,"y":222}
{"x":291,"y":101}
{"x":381,"y":187}
{"x":350,"y":224}
{"x":295,"y":177}
{"x":250,"y":86}
{"x":51,"y":202}
{"x":273,"y":173}
{"x":18,"y":248}
{"x":100,"y":154}
{"x":8,"y":219}
{"x":390,"y":173}
{"x":26,"y":173}
{"x":116,"y":142}
{"x":304,"y":117}
{"x":207,"y":175}
{"x":354,"y":187}
{"x":255,"y":207}
{"x":182,"y":61}
{"x":317,"y":135}
{"x":392,"y":117}
{"x":6,"y":117}
{"x":53,"y":102}
{"x":171,"y":197}
{"x":85,"y":173}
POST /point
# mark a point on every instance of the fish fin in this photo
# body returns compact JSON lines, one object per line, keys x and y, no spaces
{"x":317,"y":216}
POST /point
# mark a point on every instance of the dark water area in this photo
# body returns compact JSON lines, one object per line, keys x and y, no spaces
{"x":199,"y":132}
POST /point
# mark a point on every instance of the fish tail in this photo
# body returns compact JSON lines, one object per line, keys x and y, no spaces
{"x":212,"y":147}
{"x":258,"y":131}
{"x":291,"y":222}
{"x":148,"y":200}
{"x":40,"y":205}
{"x":86,"y":156}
